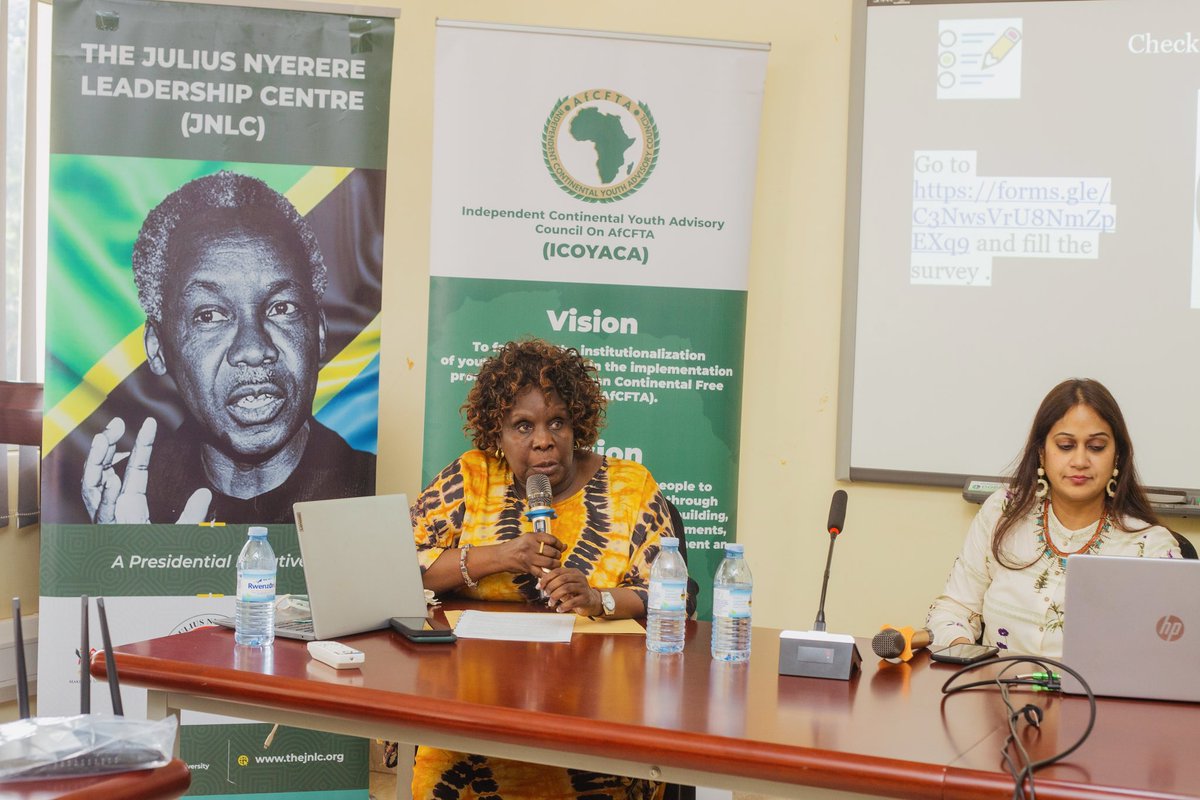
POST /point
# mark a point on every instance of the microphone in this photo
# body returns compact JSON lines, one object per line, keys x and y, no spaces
{"x":837,"y":519}
{"x":817,"y":653}
{"x":900,"y":643}
{"x":539,"y":498}
{"x":837,"y":513}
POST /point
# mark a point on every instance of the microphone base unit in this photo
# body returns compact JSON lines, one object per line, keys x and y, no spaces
{"x":817,"y":654}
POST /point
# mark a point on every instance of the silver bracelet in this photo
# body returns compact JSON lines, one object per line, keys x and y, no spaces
{"x":462,"y":567}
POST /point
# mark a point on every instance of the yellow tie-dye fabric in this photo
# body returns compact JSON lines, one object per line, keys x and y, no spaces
{"x":610,"y":529}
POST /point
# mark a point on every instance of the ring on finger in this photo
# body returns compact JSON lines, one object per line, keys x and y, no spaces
{"x":541,"y":547}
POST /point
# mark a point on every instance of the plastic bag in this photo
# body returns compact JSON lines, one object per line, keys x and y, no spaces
{"x":85,"y":744}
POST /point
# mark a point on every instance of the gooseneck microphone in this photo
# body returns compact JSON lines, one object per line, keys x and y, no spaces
{"x":900,"y":642}
{"x":837,"y":520}
{"x":818,"y":653}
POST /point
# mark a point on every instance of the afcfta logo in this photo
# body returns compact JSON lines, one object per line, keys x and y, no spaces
{"x":600,"y":145}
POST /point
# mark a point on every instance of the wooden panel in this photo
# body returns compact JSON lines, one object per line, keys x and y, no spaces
{"x":888,"y":731}
{"x":1139,"y":748}
{"x":163,"y":783}
{"x":605,"y":696}
{"x":21,"y":413}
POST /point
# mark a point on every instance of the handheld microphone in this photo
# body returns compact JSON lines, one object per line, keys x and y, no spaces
{"x":837,"y":520}
{"x":901,"y":643}
{"x":538,"y":492}
{"x":539,"y":499}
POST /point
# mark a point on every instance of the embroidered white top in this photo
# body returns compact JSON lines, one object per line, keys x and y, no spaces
{"x":1021,"y":610}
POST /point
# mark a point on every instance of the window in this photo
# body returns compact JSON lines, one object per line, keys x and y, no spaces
{"x":25,"y":239}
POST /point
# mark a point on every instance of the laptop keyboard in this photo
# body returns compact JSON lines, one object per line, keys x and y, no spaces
{"x":295,"y":626}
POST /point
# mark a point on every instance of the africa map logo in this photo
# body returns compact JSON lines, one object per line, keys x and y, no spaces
{"x":600,"y":145}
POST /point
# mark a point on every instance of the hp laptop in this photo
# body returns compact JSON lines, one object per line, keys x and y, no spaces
{"x":1133,"y":627}
{"x":360,"y":564}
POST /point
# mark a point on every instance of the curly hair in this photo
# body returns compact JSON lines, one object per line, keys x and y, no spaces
{"x":517,"y":366}
{"x":219,"y":191}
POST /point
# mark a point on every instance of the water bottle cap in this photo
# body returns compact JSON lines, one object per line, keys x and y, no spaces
{"x":735,"y":549}
{"x":669,"y":542}
{"x":257,"y":531}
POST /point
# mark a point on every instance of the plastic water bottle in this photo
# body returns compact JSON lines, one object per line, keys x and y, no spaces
{"x":254,"y":618}
{"x":666,"y":611}
{"x":732,"y":587}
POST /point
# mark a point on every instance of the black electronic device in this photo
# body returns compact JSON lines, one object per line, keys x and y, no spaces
{"x":413,"y":629}
{"x":964,"y":653}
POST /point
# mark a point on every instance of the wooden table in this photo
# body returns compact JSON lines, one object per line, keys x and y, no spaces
{"x":603,"y":703}
{"x":163,"y":783}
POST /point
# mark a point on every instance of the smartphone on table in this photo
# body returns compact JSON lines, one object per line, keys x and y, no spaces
{"x":413,"y":629}
{"x":964,"y":653}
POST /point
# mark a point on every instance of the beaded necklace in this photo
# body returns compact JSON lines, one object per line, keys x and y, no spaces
{"x":1051,"y":551}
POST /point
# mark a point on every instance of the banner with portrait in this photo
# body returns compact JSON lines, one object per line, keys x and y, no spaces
{"x":595,"y":190}
{"x":215,"y":239}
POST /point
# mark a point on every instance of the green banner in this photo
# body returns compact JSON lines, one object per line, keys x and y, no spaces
{"x":234,"y":760}
{"x":605,"y":206}
{"x":673,"y":380}
{"x":215,"y":235}
{"x":157,"y":560}
{"x":173,"y":80}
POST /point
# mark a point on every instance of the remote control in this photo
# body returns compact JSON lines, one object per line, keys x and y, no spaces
{"x":336,"y":654}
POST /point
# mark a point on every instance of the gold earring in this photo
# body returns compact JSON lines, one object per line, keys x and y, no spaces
{"x":1111,"y":487}
{"x":1043,"y":488}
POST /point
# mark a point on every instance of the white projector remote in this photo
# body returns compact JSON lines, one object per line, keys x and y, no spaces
{"x":336,"y":655}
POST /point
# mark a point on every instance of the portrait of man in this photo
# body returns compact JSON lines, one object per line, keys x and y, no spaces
{"x":231,"y":279}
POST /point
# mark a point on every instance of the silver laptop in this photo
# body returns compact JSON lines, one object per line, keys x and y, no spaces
{"x":360,"y":564}
{"x":1132,"y":627}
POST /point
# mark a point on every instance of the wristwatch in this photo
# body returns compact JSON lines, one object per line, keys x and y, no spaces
{"x":608,"y":603}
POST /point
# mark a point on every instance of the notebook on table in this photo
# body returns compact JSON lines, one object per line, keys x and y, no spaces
{"x":1132,"y":627}
{"x":360,"y":564}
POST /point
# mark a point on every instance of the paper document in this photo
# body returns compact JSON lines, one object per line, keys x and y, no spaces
{"x":515,"y":626}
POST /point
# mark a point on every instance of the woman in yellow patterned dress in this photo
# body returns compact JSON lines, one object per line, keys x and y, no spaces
{"x":536,"y":408}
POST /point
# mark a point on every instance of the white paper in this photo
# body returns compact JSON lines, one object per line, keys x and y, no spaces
{"x":514,"y":626}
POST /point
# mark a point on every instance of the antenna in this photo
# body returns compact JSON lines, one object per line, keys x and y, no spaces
{"x":110,"y":663}
{"x":22,"y":675}
{"x":85,"y":651}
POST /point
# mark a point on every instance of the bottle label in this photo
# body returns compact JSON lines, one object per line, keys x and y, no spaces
{"x":731,"y":602}
{"x":668,"y":596}
{"x":255,"y":586}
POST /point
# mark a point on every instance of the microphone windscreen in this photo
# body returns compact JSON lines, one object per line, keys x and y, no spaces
{"x":537,"y":491}
{"x":888,"y":643}
{"x":837,"y":512}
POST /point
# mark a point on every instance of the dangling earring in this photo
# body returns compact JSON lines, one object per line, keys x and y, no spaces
{"x":1043,"y":488}
{"x":499,"y":453}
{"x":1111,"y":487}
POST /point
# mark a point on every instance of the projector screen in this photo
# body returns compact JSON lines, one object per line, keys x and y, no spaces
{"x":1021,"y":209}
